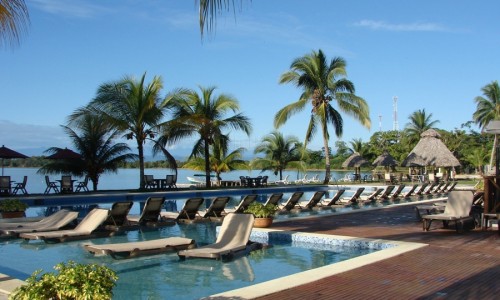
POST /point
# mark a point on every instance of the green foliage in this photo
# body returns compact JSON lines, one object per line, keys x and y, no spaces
{"x":260,"y":210}
{"x":12,"y":205}
{"x":74,"y":281}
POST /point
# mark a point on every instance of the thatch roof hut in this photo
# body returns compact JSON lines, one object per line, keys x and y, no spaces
{"x":355,"y":161}
{"x":431,"y":151}
{"x":385,"y":159}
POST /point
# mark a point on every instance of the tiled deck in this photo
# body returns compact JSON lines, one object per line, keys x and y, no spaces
{"x":453,"y":266}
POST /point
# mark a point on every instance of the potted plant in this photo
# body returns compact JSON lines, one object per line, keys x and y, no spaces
{"x":73,"y":281}
{"x":13,"y":208}
{"x":263,"y":213}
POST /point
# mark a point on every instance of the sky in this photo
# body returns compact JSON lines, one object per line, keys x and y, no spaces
{"x":432,"y":55}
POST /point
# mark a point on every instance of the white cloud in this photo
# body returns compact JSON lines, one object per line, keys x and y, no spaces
{"x":69,"y":8}
{"x":416,"y":26}
{"x":29,"y":136}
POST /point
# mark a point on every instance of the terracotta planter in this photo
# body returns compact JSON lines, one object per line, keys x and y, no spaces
{"x":262,"y":222}
{"x":13,"y":214}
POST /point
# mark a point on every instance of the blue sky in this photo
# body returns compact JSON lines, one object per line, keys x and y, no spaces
{"x":431,"y":54}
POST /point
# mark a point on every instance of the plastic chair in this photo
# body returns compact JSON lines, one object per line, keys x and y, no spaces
{"x":51,"y":185}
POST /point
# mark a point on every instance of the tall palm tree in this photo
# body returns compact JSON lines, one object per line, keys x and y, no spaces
{"x":203,"y":114}
{"x":419,"y":122}
{"x":279,"y":153}
{"x":322,"y":83}
{"x":134,"y":108}
{"x":14,"y":21}
{"x":488,"y":109}
{"x":220,"y":161}
{"x":94,"y":141}
{"x":208,"y":11}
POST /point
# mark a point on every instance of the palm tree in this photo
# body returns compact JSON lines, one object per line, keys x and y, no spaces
{"x":94,"y":141}
{"x":322,"y":83}
{"x":488,"y":109}
{"x":14,"y":20}
{"x":279,"y":153}
{"x":220,"y":161}
{"x":208,"y":11}
{"x":132,"y":107}
{"x":203,"y":115}
{"x":419,"y":122}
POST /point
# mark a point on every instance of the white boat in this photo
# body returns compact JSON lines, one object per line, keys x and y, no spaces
{"x":195,"y":180}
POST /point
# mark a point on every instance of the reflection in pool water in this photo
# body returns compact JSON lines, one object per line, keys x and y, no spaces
{"x":165,"y":276}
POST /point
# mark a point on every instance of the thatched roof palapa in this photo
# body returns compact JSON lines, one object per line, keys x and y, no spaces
{"x":385,"y":159}
{"x":355,"y":161}
{"x":431,"y":151}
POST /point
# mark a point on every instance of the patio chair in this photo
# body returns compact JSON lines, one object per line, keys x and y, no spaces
{"x":21,"y":186}
{"x":51,"y":185}
{"x":284,"y":181}
{"x":421,"y":190}
{"x":189,"y":212}
{"x":244,"y":203}
{"x":82,"y":185}
{"x":150,"y":215}
{"x":135,"y":249}
{"x":385,"y":195}
{"x":302,"y":180}
{"x":291,"y":203}
{"x":444,"y":186}
{"x":149,"y":182}
{"x":333,"y":201}
{"x":66,"y":184}
{"x":457,"y":209}
{"x":117,"y":218}
{"x":354,"y":197}
{"x":431,"y":188}
{"x":216,"y":208}
{"x":86,"y":229}
{"x":452,"y":186}
{"x":398,"y":192}
{"x":372,"y":197}
{"x":55,"y":221}
{"x":232,"y":240}
{"x":5,"y":187}
{"x":169,"y":182}
{"x":313,"y":201}
{"x":411,"y":191}
{"x":274,"y":199}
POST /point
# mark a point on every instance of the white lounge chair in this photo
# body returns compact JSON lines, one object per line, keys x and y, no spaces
{"x":233,"y":239}
{"x":55,"y":221}
{"x":284,"y":181}
{"x":456,"y":209}
{"x":86,"y":229}
{"x":134,"y":249}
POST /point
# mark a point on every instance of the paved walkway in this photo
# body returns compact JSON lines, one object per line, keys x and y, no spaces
{"x":453,"y":266}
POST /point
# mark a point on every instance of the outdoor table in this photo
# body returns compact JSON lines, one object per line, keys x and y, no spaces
{"x":160,"y":183}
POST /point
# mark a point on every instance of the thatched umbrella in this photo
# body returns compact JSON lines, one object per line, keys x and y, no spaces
{"x":431,"y":151}
{"x":385,"y":159}
{"x":355,"y":161}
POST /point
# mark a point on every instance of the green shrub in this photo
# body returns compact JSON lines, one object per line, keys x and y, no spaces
{"x":260,"y":210}
{"x":12,"y":205}
{"x":74,"y":281}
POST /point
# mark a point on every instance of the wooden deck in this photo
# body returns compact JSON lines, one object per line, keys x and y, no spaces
{"x":453,"y":266}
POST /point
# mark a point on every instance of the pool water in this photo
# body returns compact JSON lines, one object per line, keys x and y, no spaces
{"x":165,"y":276}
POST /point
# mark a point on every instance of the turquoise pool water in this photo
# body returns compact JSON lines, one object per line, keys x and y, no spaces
{"x":165,"y":276}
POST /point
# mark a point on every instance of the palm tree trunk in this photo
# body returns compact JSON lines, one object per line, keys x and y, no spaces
{"x":327,"y":162}
{"x":493,"y":151}
{"x":207,"y":164}
{"x":140,"y":149}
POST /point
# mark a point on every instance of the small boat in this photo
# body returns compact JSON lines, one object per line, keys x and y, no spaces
{"x":195,"y":180}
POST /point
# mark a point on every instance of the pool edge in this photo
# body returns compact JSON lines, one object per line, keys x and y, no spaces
{"x":290,"y":281}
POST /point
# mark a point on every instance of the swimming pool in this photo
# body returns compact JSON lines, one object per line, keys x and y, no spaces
{"x":165,"y":276}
